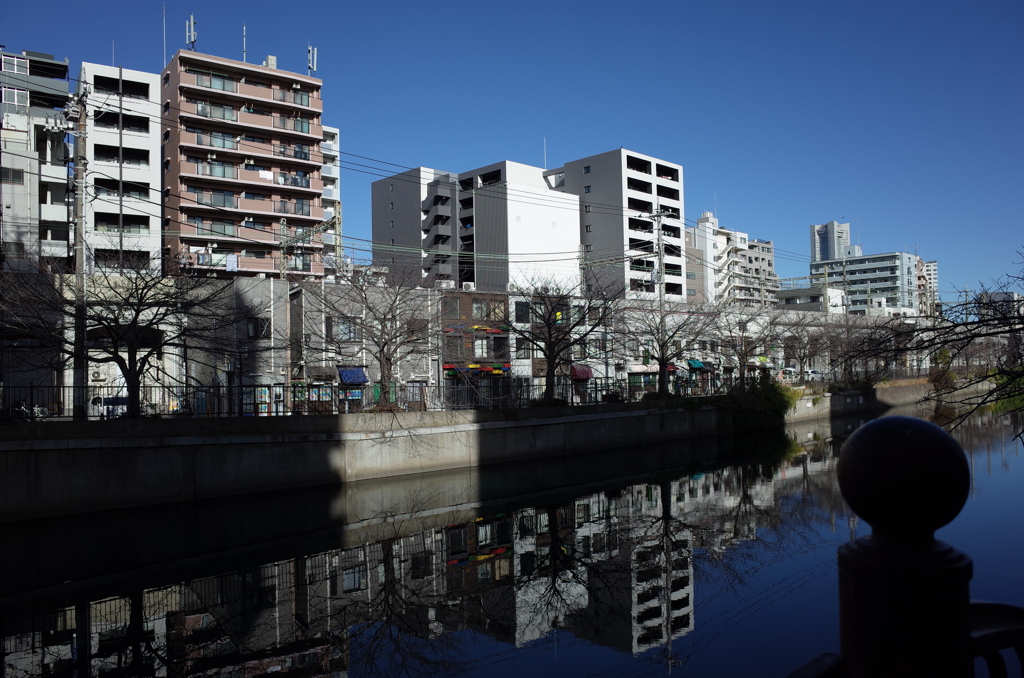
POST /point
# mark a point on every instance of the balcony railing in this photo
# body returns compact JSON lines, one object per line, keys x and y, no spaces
{"x":292,"y":152}
{"x":284,"y":179}
{"x":218,"y":112}
{"x":215,"y":200}
{"x":285,"y":207}
{"x":215,"y":142}
{"x":133,"y":229}
{"x":299,"y":98}
{"x":219,"y":171}
{"x":295,"y":124}
{"x":216,"y":82}
{"x":227,"y":230}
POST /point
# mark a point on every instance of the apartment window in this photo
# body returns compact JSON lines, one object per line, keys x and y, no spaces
{"x":344,"y":328}
{"x":480,"y":348}
{"x":391,"y":187}
{"x":167,"y":107}
{"x":586,"y":189}
{"x":587,"y":228}
{"x":522,"y":311}
{"x":586,"y":208}
{"x":258,"y":328}
{"x":167,"y":135}
{"x":16,"y":97}
{"x":524,"y":349}
{"x":12,"y":176}
{"x":392,"y":224}
{"x":249,"y":195}
{"x":392,"y":205}
{"x":586,"y":169}
{"x":588,"y":248}
{"x":14,"y":64}
{"x":690,"y":292}
{"x":481,"y":309}
{"x":690,"y":275}
{"x":167,"y":79}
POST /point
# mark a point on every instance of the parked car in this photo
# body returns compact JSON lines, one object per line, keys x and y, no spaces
{"x":813,"y":375}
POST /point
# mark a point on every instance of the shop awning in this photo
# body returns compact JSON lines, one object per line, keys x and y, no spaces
{"x":321,"y":373}
{"x":352,"y":375}
{"x":580,"y":372}
{"x":695,"y":364}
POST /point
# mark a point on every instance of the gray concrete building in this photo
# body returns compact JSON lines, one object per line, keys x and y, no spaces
{"x":873,"y":284}
{"x":829,"y":240}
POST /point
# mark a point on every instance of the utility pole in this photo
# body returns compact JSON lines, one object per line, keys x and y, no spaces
{"x":80,"y":363}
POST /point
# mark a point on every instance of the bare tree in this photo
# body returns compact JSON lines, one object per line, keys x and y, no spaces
{"x":554,"y":317}
{"x":802,"y":335}
{"x":665,"y":331}
{"x":745,"y":335}
{"x":389,"y":321}
{"x":130,"y":313}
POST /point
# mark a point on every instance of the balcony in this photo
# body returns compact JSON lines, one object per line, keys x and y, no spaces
{"x":291,"y":152}
{"x":330,"y":170}
{"x":294,"y":124}
{"x":286,"y":207}
{"x":638,"y":164}
{"x":218,"y":230}
{"x":218,"y":171}
{"x":216,"y":82}
{"x":53,"y":213}
{"x":284,"y":179}
{"x":330,"y":193}
{"x":296,"y":97}
{"x":217,"y":112}
{"x":216,"y":141}
{"x":215,"y":200}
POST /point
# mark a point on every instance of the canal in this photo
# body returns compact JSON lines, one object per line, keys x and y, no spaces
{"x":705,"y":558}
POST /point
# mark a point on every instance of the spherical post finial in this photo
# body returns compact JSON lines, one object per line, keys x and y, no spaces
{"x":906,"y":477}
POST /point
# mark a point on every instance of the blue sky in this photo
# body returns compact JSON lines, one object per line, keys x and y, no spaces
{"x":903,"y":118}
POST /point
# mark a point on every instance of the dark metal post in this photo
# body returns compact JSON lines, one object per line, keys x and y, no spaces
{"x":903,"y":595}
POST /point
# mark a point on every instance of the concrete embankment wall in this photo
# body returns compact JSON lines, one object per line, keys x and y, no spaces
{"x":844,"y":403}
{"x":55,"y":468}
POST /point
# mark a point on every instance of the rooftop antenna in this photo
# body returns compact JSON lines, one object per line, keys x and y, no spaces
{"x":164,"y":62}
{"x":243,"y":43}
{"x":190,"y":32}
{"x":310,"y":59}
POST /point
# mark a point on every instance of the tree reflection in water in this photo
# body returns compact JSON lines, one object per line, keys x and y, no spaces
{"x":409,"y":590}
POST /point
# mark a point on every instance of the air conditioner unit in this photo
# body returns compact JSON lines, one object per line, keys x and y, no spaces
{"x":468,"y":287}
{"x":96,"y":375}
{"x":513,"y":288}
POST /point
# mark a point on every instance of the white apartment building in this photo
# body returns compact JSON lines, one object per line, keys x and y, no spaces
{"x":620,"y":191}
{"x":330,"y":172}
{"x":874,"y":284}
{"x":478,"y":230}
{"x":733,"y":267}
{"x":35,"y":154}
{"x":123,"y":182}
{"x":829,"y":240}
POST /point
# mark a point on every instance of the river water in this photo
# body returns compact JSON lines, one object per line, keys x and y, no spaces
{"x":706,"y":558}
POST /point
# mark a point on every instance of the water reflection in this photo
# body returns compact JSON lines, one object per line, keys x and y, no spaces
{"x":612,"y":566}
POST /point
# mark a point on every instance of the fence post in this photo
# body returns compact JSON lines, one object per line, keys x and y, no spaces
{"x":903,"y":595}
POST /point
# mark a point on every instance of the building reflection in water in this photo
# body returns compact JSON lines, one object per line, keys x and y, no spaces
{"x":615,"y":567}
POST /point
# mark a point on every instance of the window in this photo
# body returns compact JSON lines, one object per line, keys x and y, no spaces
{"x":524,"y":349}
{"x":392,"y":205}
{"x":391,"y":187}
{"x":12,"y":176}
{"x":690,"y":292}
{"x":588,"y":248}
{"x":167,"y":108}
{"x":522,"y":311}
{"x":353,"y":578}
{"x":586,"y":169}
{"x":14,"y":64}
{"x":690,"y":275}
{"x":450,"y":307}
{"x":16,"y":97}
{"x":167,"y":79}
{"x":344,"y":328}
{"x":258,"y":328}
{"x":586,"y":189}
{"x":249,"y":195}
{"x":481,"y":308}
{"x":586,"y":208}
{"x":587,"y":228}
{"x":480,"y":348}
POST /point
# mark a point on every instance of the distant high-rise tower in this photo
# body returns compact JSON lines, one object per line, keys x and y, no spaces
{"x":829,"y":241}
